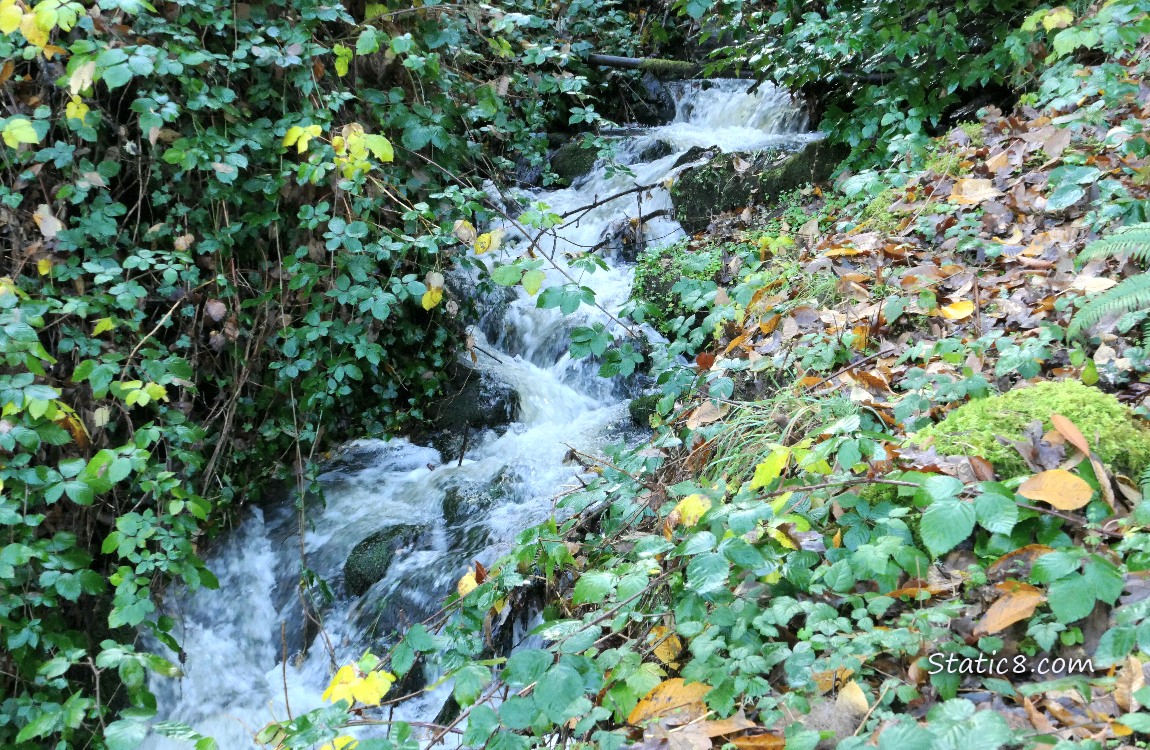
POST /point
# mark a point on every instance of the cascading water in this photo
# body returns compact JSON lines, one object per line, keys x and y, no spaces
{"x":236,"y":677}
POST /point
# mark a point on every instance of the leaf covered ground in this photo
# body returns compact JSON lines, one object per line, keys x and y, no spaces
{"x":896,"y":498}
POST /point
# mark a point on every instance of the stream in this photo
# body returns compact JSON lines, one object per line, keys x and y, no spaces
{"x":236,"y":678}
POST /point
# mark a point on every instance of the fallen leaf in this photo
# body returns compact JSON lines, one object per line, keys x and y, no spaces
{"x":1067,"y":429}
{"x":970,"y":191}
{"x":1130,"y":680}
{"x":852,"y":698}
{"x":963,"y":308}
{"x":719,"y":727}
{"x":1058,"y":488}
{"x":1016,"y":605}
{"x":669,"y":649}
{"x":673,"y":696}
{"x":704,"y":414}
{"x":766,"y":741}
{"x":215,"y":309}
{"x":1092,"y":284}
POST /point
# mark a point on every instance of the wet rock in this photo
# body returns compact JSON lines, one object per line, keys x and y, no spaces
{"x":370,"y":559}
{"x":464,"y":500}
{"x":571,"y":160}
{"x":731,"y":181}
{"x":655,"y":106}
{"x":473,"y":401}
{"x":652,"y":150}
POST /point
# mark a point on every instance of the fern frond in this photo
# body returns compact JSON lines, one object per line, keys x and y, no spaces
{"x":1127,"y":296}
{"x":1131,"y":241}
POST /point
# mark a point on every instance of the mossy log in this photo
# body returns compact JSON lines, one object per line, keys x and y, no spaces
{"x":656,"y":66}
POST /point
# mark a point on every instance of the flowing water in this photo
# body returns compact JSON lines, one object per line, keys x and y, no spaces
{"x":235,"y":640}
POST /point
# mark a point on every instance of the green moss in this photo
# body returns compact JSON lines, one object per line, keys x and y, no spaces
{"x":878,"y":493}
{"x":571,"y":160}
{"x":975,"y":132}
{"x":642,"y":407}
{"x":1119,"y":438}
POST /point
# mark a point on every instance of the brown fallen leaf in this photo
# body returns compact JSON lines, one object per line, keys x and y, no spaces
{"x":706,"y":413}
{"x":1068,"y":430}
{"x":1016,"y":605}
{"x":720,"y":727}
{"x":1023,"y":556}
{"x":1058,"y":488}
{"x":970,"y":191}
{"x":673,"y":696}
{"x":1130,"y":680}
{"x":670,"y":647}
{"x":765,"y":741}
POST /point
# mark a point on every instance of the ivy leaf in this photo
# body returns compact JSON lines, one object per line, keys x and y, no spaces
{"x":945,"y":524}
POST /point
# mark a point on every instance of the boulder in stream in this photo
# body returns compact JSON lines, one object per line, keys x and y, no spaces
{"x":731,"y":181}
{"x":473,"y":401}
{"x":370,"y":559}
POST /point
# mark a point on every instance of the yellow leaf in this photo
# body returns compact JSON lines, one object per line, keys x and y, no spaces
{"x":467,"y":584}
{"x":771,"y":469}
{"x":1059,"y":488}
{"x":1059,"y":18}
{"x":19,"y":130}
{"x":76,"y":109}
{"x":44,"y":266}
{"x":102,"y":325}
{"x":299,"y":136}
{"x":343,"y":742}
{"x":82,"y":77}
{"x":533,"y":281}
{"x":669,"y":649}
{"x":464,"y":231}
{"x":781,"y":538}
{"x":671,"y":697}
{"x":957,"y":310}
{"x":488,"y":242}
{"x":690,"y":509}
{"x":10,"y":16}
{"x":340,"y":687}
{"x":32,"y":32}
{"x":371,"y":689}
{"x":432,"y":297}
{"x":852,"y":698}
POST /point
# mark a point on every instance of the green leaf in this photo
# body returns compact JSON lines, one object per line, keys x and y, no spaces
{"x":125,"y":734}
{"x":533,"y":281}
{"x":506,"y":275}
{"x":1071,"y":598}
{"x":945,"y":524}
{"x":469,"y":683}
{"x":380,"y":147}
{"x":905,"y":735}
{"x":368,"y":41}
{"x":1114,"y":645}
{"x":1139,"y":722}
{"x":707,"y":573}
{"x":593,"y":587}
{"x":1104,"y":578}
{"x":45,"y":723}
{"x":526,"y":667}
{"x":559,"y":688}
{"x":996,"y":513}
{"x":1064,"y":197}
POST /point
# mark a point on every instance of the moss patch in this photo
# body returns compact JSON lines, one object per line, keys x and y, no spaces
{"x":571,"y":160}
{"x":1119,"y":438}
{"x":659,"y":269}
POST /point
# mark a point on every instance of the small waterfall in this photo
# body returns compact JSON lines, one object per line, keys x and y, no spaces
{"x":240,"y":672}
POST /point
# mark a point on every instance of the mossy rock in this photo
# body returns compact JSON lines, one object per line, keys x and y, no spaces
{"x":1118,"y":437}
{"x":571,"y":160}
{"x":730,"y":181}
{"x":642,"y":407}
{"x":659,"y":269}
{"x":370,"y":559}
